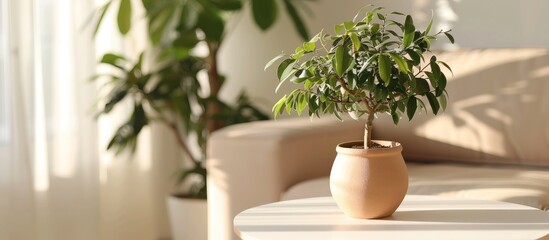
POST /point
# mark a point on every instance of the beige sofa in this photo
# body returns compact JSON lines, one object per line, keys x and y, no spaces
{"x":492,"y":142}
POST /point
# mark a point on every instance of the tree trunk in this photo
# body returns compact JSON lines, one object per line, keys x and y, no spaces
{"x":368,"y":128}
{"x":367,"y":136}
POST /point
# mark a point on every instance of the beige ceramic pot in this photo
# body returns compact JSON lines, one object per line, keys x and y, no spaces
{"x":188,"y":218}
{"x":369,"y":183}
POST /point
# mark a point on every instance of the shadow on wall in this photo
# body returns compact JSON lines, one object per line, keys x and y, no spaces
{"x":486,"y":24}
{"x":498,"y":111}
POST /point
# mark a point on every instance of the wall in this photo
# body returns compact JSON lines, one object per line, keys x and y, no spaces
{"x":475,"y":24}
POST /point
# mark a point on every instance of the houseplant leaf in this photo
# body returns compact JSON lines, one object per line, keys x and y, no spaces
{"x":270,"y":63}
{"x":343,"y":60}
{"x":296,"y":19}
{"x":401,"y":63}
{"x":435,"y":106}
{"x":384,"y":66}
{"x":212,"y":25}
{"x":409,"y":31}
{"x":124,"y":16}
{"x":411,"y":107}
{"x":102,"y":12}
{"x":264,"y":13}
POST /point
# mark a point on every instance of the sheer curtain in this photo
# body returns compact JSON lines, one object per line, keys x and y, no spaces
{"x":56,"y":182}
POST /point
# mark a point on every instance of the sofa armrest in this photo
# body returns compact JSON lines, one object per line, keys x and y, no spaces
{"x":254,"y":163}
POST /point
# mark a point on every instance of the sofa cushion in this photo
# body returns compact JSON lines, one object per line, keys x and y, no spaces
{"x":527,"y":186}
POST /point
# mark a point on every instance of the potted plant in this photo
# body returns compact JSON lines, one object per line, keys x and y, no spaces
{"x":371,"y":65}
{"x":170,"y":92}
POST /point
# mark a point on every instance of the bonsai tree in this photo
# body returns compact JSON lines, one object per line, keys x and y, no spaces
{"x":371,"y":65}
{"x":169,"y":92}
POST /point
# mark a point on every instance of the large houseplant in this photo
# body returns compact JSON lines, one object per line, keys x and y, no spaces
{"x":371,"y":65}
{"x":169,"y":91}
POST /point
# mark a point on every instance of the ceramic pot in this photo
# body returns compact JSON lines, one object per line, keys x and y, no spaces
{"x":188,"y":218}
{"x":369,"y":183}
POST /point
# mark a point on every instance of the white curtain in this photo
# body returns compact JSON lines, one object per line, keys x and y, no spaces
{"x":56,"y":181}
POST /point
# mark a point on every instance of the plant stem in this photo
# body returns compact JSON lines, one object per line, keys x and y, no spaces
{"x":368,"y":128}
{"x":344,"y":85}
{"x":214,"y":81}
{"x":180,"y":140}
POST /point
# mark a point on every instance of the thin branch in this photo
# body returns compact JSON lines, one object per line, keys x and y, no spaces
{"x":179,"y":139}
{"x":421,"y":70}
{"x":344,"y":85}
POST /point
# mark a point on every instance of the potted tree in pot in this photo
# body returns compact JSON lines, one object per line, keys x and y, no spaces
{"x":170,"y":92}
{"x":371,"y":65}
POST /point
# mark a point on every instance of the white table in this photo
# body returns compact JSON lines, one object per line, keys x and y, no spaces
{"x":419,"y":217}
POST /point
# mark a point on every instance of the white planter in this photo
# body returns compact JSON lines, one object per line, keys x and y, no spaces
{"x":188,"y":218}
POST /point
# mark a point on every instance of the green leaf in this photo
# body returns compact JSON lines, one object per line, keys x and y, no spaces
{"x":393,"y":33}
{"x":124,"y":16}
{"x":384,"y":66}
{"x":273,"y":61}
{"x":301,"y":103}
{"x":443,"y":102}
{"x":396,"y":117}
{"x":447,"y":67}
{"x":375,"y":28}
{"x":399,"y":25}
{"x":336,"y":114}
{"x":421,"y":86}
{"x":377,"y":9}
{"x":290,"y":102}
{"x":212,"y":25}
{"x":115,"y":97}
{"x":355,"y":40}
{"x":429,"y":26}
{"x":288,"y":63}
{"x":411,"y":107}
{"x":401,"y":63}
{"x":317,"y":37}
{"x":159,"y":24}
{"x":301,"y":76}
{"x":313,"y":106}
{"x":343,"y":60}
{"x":409,"y":30}
{"x":421,"y":105}
{"x":264,"y":12}
{"x":380,"y":93}
{"x":309,"y":46}
{"x":414,"y":56}
{"x":103,"y":10}
{"x":368,"y":62}
{"x":299,"y":52}
{"x":385,"y":44}
{"x":228,"y":5}
{"x":442,"y":81}
{"x":110,"y":58}
{"x":437,"y":74}
{"x":369,"y":17}
{"x":433,"y":102}
{"x":348,"y":25}
{"x":338,"y":28}
{"x":288,"y":72}
{"x":296,"y":19}
{"x":351,"y":80}
{"x":189,"y":17}
{"x":435,"y":69}
{"x":381,"y":17}
{"x":450,"y":37}
{"x":434,"y":79}
{"x":279,"y":106}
